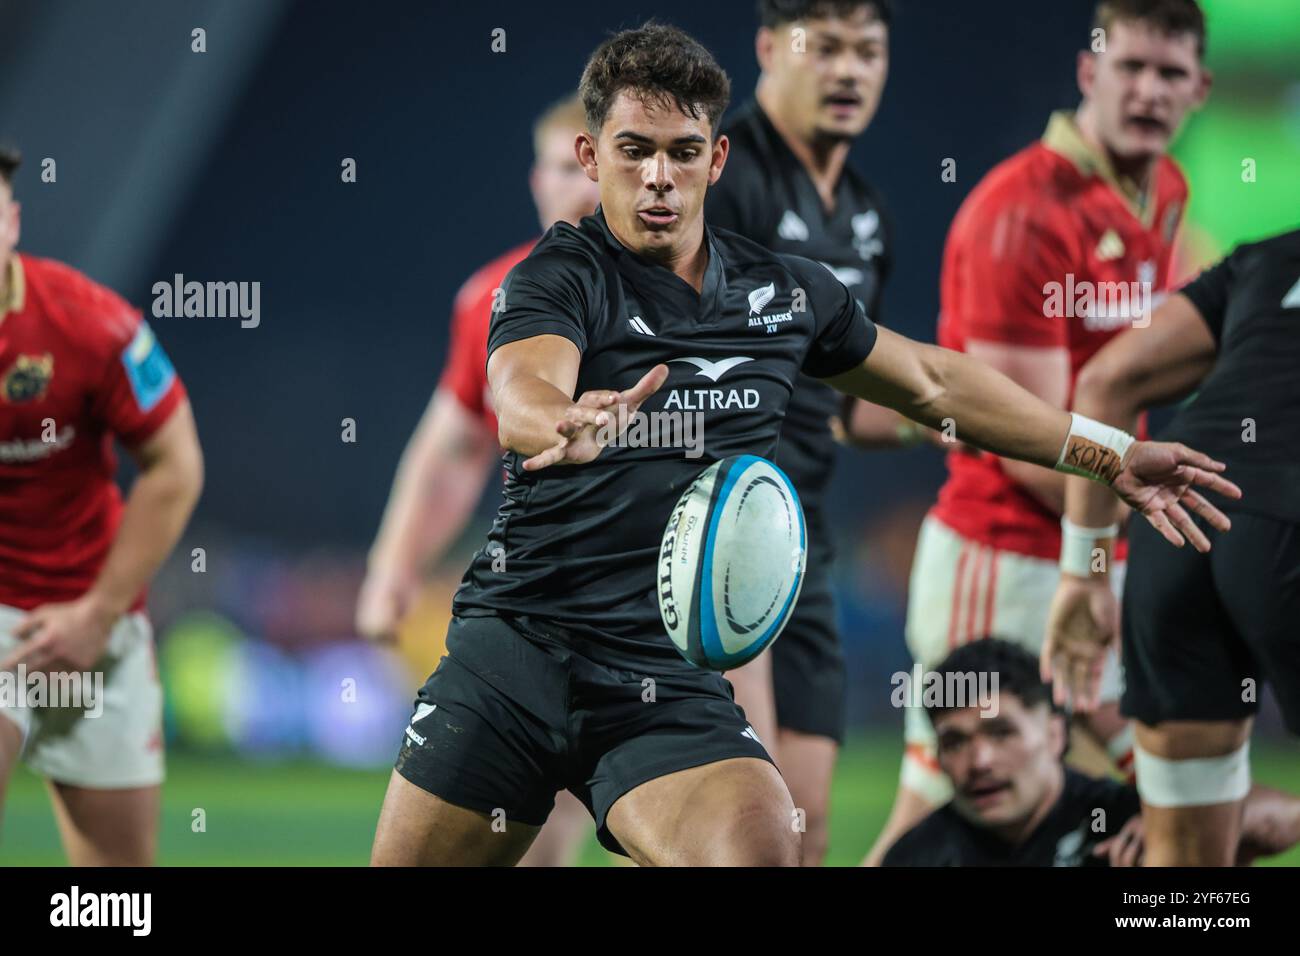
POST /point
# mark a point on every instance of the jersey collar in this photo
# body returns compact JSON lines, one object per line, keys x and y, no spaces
{"x":711,"y":290}
{"x":1062,"y":137}
{"x":15,"y":288}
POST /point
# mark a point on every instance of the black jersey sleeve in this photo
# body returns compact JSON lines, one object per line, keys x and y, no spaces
{"x":844,"y":336}
{"x":548,"y":293}
{"x":1209,"y":293}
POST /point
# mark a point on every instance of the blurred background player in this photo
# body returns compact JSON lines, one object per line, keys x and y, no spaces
{"x":788,"y":186}
{"x":1203,"y":629}
{"x":448,"y":460}
{"x":1094,"y":204}
{"x":1014,"y":801}
{"x":78,"y":369}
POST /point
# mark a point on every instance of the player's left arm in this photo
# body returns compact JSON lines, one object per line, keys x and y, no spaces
{"x":928,"y":384}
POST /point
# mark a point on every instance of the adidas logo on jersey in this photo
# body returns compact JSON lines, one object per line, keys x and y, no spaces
{"x":749,"y":732}
{"x":638,"y":325}
{"x":792,"y":227}
{"x":1111,"y":246}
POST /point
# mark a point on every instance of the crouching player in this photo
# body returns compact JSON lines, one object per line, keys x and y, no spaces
{"x":1015,"y":803}
{"x":79,"y":368}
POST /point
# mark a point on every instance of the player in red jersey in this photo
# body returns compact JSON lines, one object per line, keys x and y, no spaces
{"x":447,"y":461}
{"x":78,"y":369}
{"x":1053,"y":253}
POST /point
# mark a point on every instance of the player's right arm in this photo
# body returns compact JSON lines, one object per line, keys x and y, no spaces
{"x":535,"y":348}
{"x":533,"y":381}
{"x":928,"y":384}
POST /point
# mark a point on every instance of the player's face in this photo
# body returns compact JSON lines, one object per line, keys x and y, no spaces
{"x":1002,"y":767}
{"x":9,"y":223}
{"x":827,"y":74}
{"x":560,"y":186}
{"x":1142,"y":87}
{"x":653,"y":164}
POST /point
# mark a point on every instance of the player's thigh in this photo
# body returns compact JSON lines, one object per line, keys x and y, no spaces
{"x":808,"y":765}
{"x":1257,"y":574}
{"x":735,"y":812}
{"x":116,"y":827}
{"x":417,"y":828}
{"x":1185,"y":662}
{"x":480,"y":760}
{"x":752,"y":685}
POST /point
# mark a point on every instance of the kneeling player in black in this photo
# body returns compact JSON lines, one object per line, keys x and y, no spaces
{"x":1015,"y":803}
{"x":559,"y":673}
{"x":1202,"y":631}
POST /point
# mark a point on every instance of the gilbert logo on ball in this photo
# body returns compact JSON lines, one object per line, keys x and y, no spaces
{"x":732,"y":562}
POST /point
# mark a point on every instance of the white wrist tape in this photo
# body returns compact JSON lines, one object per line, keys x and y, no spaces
{"x":1093,"y":450}
{"x":1193,"y":783}
{"x":1078,"y":545}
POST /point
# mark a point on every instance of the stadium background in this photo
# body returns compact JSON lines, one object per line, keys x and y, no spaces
{"x":225,"y":166}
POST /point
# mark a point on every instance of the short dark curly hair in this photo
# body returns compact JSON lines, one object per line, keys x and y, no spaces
{"x":10,"y":160}
{"x":1016,"y":668}
{"x":660,"y":64}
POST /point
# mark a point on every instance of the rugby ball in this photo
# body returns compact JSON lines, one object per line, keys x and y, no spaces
{"x":732,"y":562}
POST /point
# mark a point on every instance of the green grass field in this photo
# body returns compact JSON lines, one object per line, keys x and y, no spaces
{"x":308,"y":814}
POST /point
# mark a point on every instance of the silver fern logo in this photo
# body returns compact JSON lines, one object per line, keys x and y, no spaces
{"x":759,"y":298}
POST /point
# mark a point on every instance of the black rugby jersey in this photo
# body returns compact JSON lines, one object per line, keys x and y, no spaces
{"x":1247,"y":410}
{"x":766,"y":195}
{"x":575,"y":546}
{"x":1066,"y":837}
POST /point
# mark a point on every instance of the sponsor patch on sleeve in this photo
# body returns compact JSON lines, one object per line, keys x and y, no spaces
{"x":148,"y":368}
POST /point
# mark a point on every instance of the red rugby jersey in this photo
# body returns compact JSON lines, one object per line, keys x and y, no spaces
{"x":465,"y":372}
{"x":1036,"y":256}
{"x":78,"y":368}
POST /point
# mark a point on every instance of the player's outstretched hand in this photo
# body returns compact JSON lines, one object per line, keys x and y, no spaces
{"x":1157,"y":482}
{"x":598,"y":416}
{"x":1082,"y":625}
{"x":72,"y":635}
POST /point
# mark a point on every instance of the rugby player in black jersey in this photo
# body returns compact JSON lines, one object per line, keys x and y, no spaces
{"x":1201,"y":630}
{"x":1015,"y":803}
{"x":559,"y":673}
{"x":789,"y":187}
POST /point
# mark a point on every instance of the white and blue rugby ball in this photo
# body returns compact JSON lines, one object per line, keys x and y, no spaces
{"x":732,"y":562}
